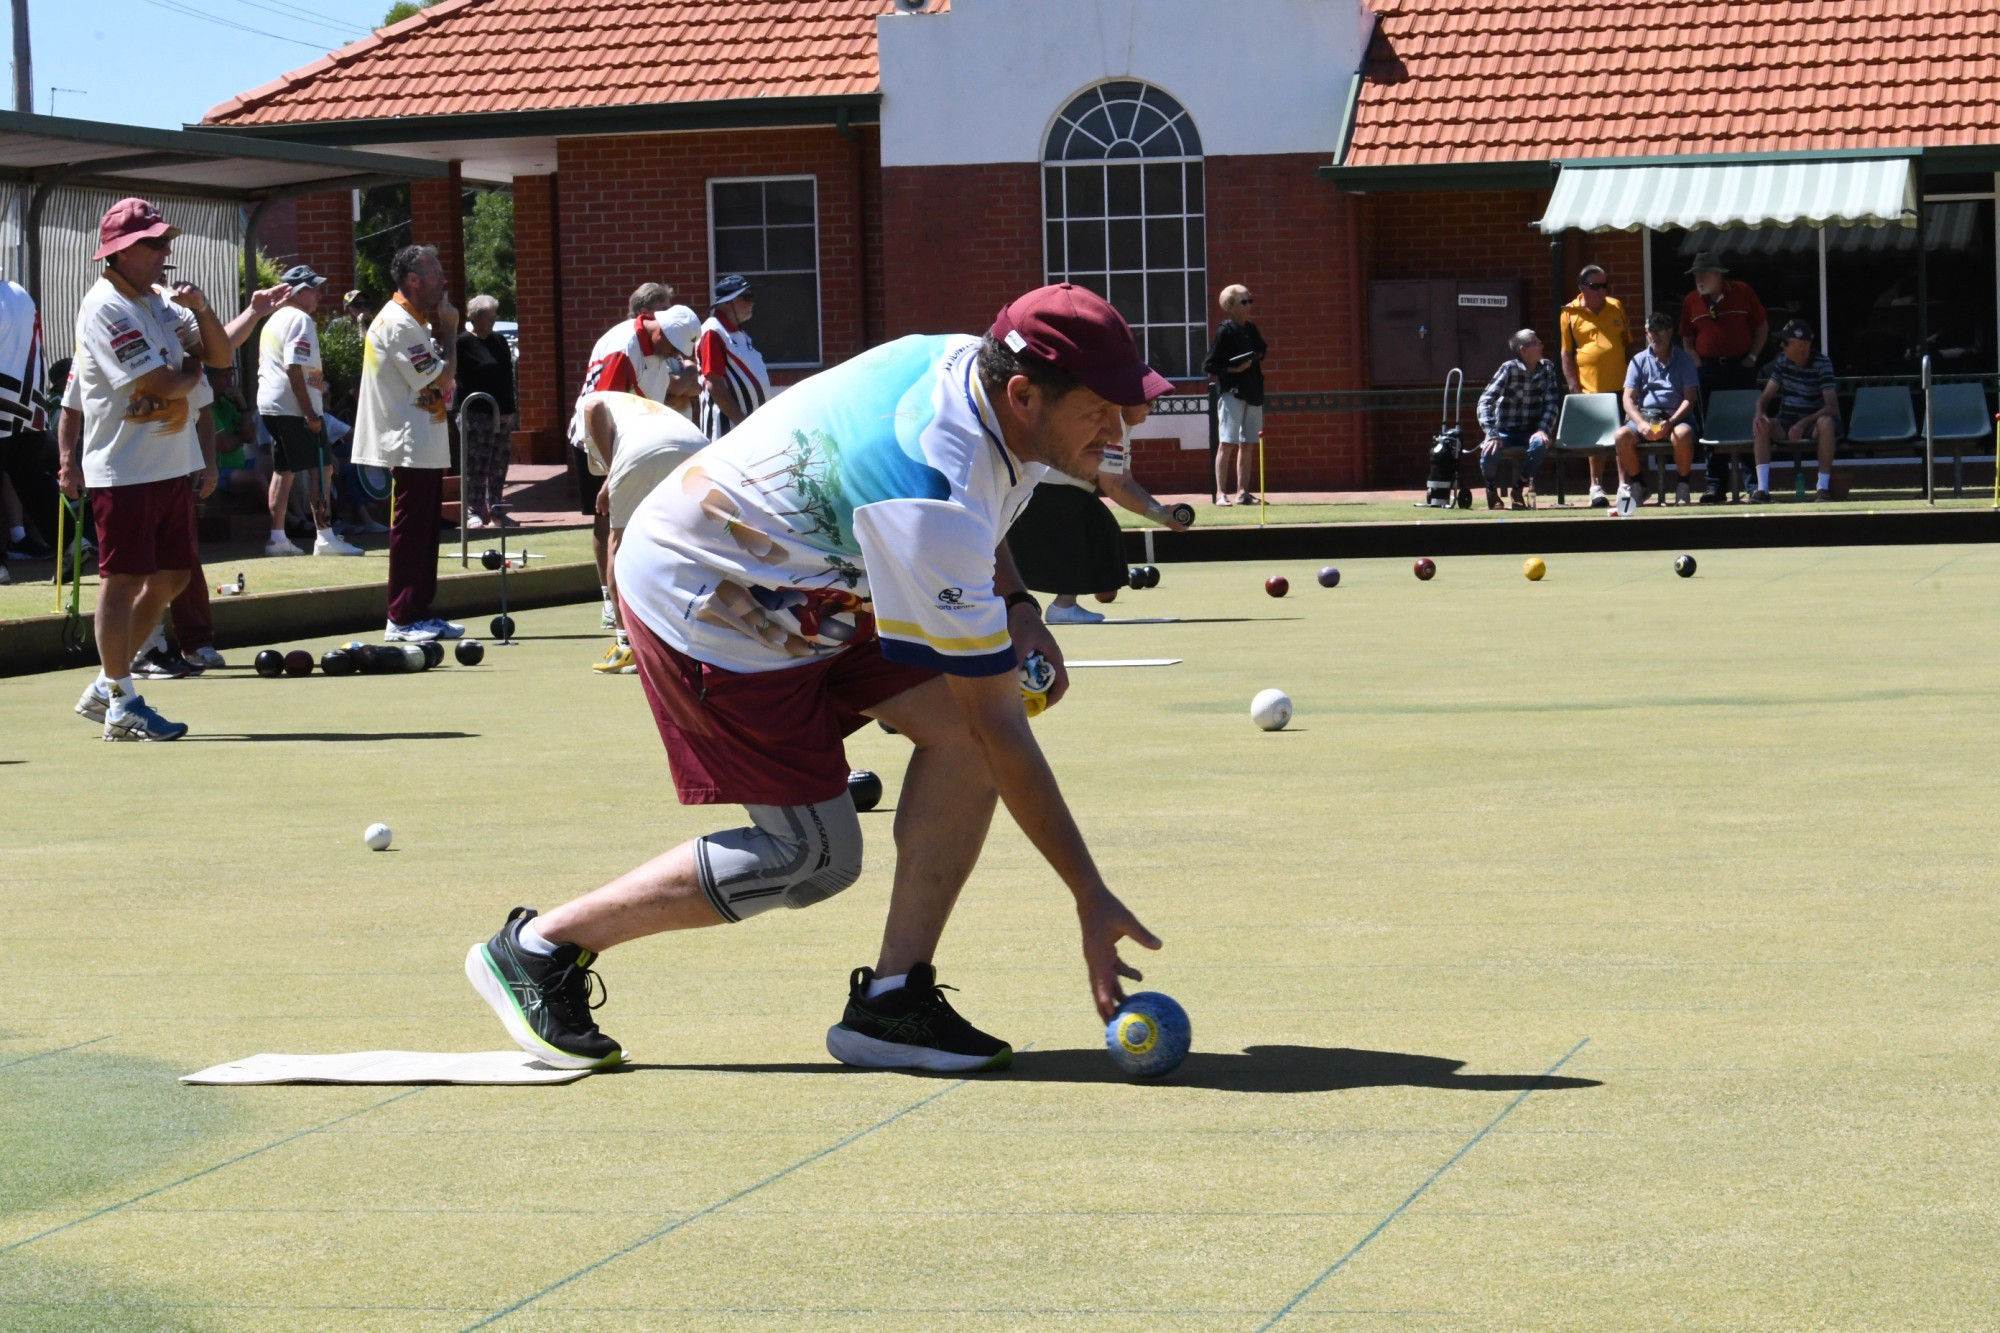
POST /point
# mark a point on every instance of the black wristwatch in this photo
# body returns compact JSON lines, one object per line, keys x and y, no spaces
{"x":1017,"y":598}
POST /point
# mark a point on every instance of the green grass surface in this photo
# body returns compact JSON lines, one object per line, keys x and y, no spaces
{"x":35,"y":595}
{"x":1718,"y":853}
{"x":1407,"y":511}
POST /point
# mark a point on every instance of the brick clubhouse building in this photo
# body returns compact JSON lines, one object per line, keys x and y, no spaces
{"x":1400,"y":185}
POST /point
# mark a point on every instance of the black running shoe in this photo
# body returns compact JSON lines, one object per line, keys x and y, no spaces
{"x":911,"y":1028}
{"x":545,"y":1002}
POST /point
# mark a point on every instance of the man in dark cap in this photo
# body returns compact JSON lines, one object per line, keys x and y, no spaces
{"x":734,"y":382}
{"x":841,"y":557}
{"x":1802,"y":392}
{"x":291,"y":391}
{"x":1723,"y":325}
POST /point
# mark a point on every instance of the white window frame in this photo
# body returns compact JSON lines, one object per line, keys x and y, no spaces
{"x":819,"y":281}
{"x":1198,"y":318}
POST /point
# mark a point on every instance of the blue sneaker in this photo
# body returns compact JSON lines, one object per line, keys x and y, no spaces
{"x":417,"y":631}
{"x":136,"y":722}
{"x":440,"y":628}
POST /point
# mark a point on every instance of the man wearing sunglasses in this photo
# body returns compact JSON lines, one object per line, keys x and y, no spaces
{"x":1595,"y":341}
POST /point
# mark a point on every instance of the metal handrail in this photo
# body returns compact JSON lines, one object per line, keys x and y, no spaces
{"x":464,"y":531}
{"x":1930,"y":480}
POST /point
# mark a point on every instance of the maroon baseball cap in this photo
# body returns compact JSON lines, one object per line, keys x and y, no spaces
{"x":1077,"y":329}
{"x":127,"y":221}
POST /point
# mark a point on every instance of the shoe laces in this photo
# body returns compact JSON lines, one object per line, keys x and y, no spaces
{"x":570,"y":987}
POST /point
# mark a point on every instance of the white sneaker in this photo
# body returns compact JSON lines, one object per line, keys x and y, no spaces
{"x":282,"y":546}
{"x":206,"y":657}
{"x":328,"y":543}
{"x":1597,"y":500}
{"x":475,"y":523}
{"x":1072,"y":615}
{"x":94,"y":704}
{"x":417,"y":633}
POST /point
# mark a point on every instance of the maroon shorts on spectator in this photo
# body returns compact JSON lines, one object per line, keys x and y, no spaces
{"x":146,"y":528}
{"x":766,"y":737}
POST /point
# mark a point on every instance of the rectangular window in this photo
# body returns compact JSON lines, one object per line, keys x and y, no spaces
{"x":1859,"y":286}
{"x":1132,"y":233}
{"x":767,"y":229}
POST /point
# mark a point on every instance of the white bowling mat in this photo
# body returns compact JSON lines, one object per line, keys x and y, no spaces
{"x":1123,"y":661}
{"x":388,"y":1067}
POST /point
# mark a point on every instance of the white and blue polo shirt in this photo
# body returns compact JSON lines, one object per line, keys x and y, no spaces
{"x":877,"y":490}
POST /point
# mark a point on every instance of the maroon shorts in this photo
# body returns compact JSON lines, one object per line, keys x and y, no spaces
{"x":146,"y":528}
{"x":766,"y":737}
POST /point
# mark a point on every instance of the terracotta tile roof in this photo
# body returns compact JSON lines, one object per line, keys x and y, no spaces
{"x":1453,"y":81}
{"x":468,"y":56}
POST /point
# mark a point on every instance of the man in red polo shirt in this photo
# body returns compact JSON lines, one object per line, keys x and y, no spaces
{"x":1724,"y":327}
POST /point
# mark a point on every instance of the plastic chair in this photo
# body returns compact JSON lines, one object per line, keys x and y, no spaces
{"x":1727,"y":427}
{"x":1884,"y":414}
{"x":1585,"y":429}
{"x":1959,"y":416}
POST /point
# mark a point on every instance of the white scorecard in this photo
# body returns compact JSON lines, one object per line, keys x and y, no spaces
{"x":1126,"y":661}
{"x":388,"y":1067}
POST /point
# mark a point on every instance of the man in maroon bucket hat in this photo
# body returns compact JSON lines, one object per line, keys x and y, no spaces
{"x":127,"y":433}
{"x":840,"y":556}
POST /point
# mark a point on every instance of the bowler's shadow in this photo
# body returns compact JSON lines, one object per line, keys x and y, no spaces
{"x":335,"y":736}
{"x":1258,"y":1069}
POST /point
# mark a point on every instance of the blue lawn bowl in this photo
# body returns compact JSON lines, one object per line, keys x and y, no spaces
{"x":1148,"y":1036}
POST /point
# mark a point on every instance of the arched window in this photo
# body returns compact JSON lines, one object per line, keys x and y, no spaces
{"x":1122,"y":204}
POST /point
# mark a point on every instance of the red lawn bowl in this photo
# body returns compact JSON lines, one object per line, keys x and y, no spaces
{"x":298,"y":662}
{"x":1277,"y":585}
{"x":1426,"y":568}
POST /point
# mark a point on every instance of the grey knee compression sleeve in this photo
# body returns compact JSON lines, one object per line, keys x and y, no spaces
{"x":791,"y":856}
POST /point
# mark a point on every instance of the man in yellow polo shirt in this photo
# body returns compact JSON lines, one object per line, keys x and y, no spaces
{"x":1594,"y":344}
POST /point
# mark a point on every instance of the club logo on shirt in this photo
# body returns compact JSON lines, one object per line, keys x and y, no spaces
{"x":421,"y":357}
{"x":951,"y":598}
{"x":132,"y":349}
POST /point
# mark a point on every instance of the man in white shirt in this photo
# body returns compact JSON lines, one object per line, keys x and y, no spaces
{"x":840,"y":557}
{"x":132,"y":442}
{"x":291,"y":388}
{"x":649,"y":355}
{"x":408,"y":363}
{"x":24,"y":425}
{"x":635,"y":442}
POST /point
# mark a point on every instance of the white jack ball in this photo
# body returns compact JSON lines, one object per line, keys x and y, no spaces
{"x":378,"y":836}
{"x":1271,"y":709}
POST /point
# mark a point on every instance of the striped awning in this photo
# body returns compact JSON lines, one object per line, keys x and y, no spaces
{"x":1869,"y":192}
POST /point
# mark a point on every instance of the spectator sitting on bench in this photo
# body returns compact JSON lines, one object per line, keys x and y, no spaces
{"x":1660,"y":388}
{"x":1802,"y":389}
{"x":1517,"y":411}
